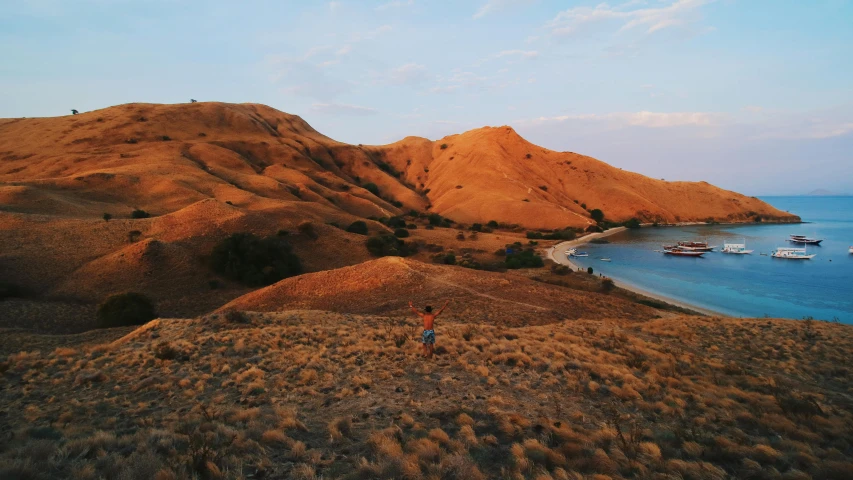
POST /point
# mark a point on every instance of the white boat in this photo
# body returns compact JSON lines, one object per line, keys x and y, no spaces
{"x":851,"y":249}
{"x":572,"y":252}
{"x":605,"y":259}
{"x":736,"y":248}
{"x":792,"y":254}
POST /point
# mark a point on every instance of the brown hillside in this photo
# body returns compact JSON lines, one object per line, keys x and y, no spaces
{"x":385,"y":286}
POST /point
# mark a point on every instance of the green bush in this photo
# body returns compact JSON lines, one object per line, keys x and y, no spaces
{"x":395,"y":222}
{"x":450,"y":259}
{"x":477,"y":227}
{"x":107,"y":217}
{"x":632,"y":223}
{"x":255,"y":261}
{"x":523,"y":259}
{"x":389,"y":246}
{"x":139,"y":214}
{"x":589,"y":270}
{"x":443,"y":146}
{"x":372,"y":188}
{"x":493,"y":224}
{"x":125,"y":309}
{"x":435,"y":219}
{"x":596,"y":215}
{"x":401,"y":233}
{"x":358,"y":226}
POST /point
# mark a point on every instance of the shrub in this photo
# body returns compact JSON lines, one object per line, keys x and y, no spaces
{"x":544,"y":188}
{"x":596,"y":215}
{"x":434,"y":219}
{"x":255,"y":261}
{"x":443,"y":146}
{"x":388,"y":246}
{"x":125,"y":309}
{"x":133,"y":236}
{"x":450,"y":259}
{"x":632,"y":223}
{"x":589,"y":270}
{"x":412,"y":226}
{"x":358,"y":226}
{"x":139,"y":214}
{"x":460,"y":236}
{"x":166,"y":138}
{"x":477,"y":227}
{"x":236,"y":316}
{"x":401,"y":233}
{"x":493,"y":224}
{"x":523,"y":259}
{"x":528,"y":156}
{"x":372,"y":188}
{"x":107,"y":217}
{"x":396,"y":222}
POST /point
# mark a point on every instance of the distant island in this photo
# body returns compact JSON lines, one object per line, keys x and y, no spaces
{"x":822,"y":192}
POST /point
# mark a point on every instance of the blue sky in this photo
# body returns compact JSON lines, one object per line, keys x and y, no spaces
{"x":752,"y":95}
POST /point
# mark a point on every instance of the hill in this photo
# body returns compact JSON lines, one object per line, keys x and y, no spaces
{"x":311,"y":394}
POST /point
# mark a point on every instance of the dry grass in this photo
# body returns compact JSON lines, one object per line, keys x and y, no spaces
{"x":317,"y":395}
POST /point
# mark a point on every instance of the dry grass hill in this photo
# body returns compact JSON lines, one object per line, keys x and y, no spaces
{"x":540,"y":373}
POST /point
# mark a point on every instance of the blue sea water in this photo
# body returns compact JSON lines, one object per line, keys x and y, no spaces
{"x":745,"y":285}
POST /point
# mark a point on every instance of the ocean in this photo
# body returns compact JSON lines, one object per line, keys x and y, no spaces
{"x":744,"y":285}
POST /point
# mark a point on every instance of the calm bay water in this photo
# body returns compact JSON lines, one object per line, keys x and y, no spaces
{"x":745,"y":285}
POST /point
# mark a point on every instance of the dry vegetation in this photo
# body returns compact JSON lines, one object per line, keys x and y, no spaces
{"x":306,"y":394}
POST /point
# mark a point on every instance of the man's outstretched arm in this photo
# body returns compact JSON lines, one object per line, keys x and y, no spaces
{"x":415,"y":310}
{"x":442,"y":308}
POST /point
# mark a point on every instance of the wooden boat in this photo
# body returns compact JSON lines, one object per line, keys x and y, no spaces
{"x":696,"y":246}
{"x":680,"y":252}
{"x":803,"y":240}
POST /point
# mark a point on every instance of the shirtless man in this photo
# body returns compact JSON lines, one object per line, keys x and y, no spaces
{"x":428,"y":337}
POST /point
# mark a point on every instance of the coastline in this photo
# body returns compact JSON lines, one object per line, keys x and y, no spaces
{"x":563,"y":260}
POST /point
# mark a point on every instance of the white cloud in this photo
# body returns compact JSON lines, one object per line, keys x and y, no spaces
{"x":394,"y":4}
{"x":677,"y":13}
{"x":640,"y":119}
{"x":342,"y":109}
{"x":371,"y":34}
{"x":334,"y":6}
{"x":408,"y":74}
{"x":521,"y":53}
{"x":492,"y":6}
{"x":344,"y":50}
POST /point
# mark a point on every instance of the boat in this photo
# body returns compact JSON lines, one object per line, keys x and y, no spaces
{"x":804,"y":240}
{"x":696,"y":246}
{"x":736,"y":248}
{"x":604,"y":259}
{"x":574,"y":253}
{"x":792,"y":254}
{"x":681,"y":252}
{"x":851,"y":249}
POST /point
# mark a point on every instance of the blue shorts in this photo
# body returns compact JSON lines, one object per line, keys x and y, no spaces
{"x":428,"y":338}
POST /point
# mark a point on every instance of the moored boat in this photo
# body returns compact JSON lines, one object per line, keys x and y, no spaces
{"x":792,"y":254}
{"x":681,"y":252}
{"x":696,"y":246}
{"x":736,"y":248}
{"x":804,"y":240}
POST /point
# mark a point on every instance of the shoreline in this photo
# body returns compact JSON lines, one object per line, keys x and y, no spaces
{"x":563,"y":260}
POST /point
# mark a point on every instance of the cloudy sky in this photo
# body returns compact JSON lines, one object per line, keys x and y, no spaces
{"x":752,"y":95}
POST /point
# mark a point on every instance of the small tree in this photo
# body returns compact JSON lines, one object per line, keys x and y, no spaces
{"x":255,"y":261}
{"x":401,"y":233}
{"x":589,"y":270}
{"x":125,"y":309}
{"x":632,"y":223}
{"x":493,"y":224}
{"x":434,"y":219}
{"x":192,"y":100}
{"x":388,"y":246}
{"x":443,"y":146}
{"x":596,"y":215}
{"x":107,"y":217}
{"x":477,"y":227}
{"x":359,"y":227}
{"x":139,"y":214}
{"x":74,"y":112}
{"x":372,"y":188}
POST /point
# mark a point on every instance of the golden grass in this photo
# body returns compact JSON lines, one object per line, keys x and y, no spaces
{"x":318,"y":395}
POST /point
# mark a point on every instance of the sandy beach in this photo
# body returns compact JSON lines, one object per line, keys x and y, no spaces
{"x":556,"y":254}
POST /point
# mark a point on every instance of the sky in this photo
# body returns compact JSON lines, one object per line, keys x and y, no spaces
{"x":750,"y":95}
